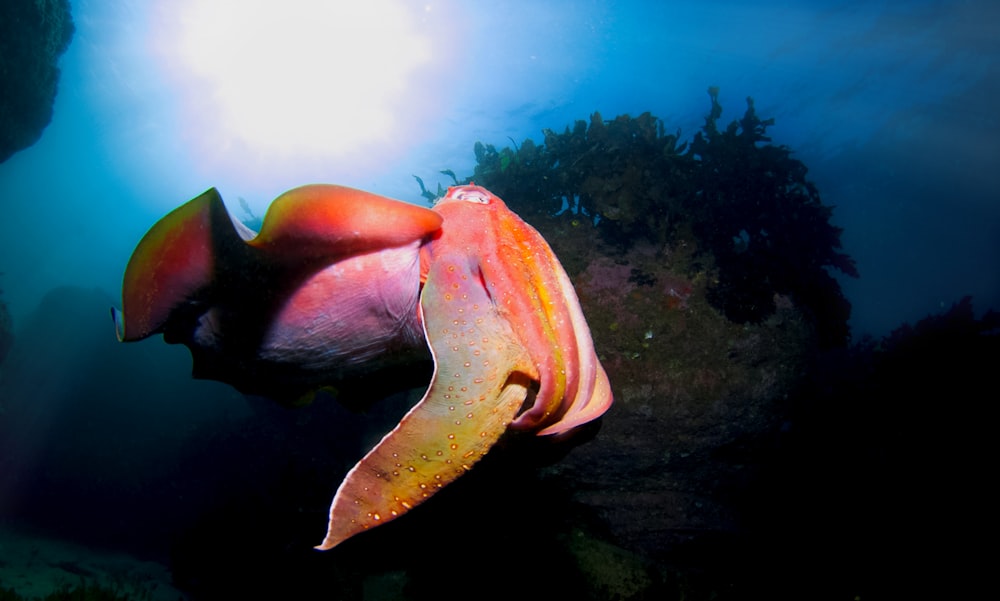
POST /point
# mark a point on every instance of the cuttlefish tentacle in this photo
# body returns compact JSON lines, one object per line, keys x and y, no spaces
{"x":482,"y":376}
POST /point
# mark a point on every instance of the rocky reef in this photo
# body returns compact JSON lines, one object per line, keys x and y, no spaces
{"x":741,"y":208}
{"x":33,"y":35}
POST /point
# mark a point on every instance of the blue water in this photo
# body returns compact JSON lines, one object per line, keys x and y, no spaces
{"x":891,"y":105}
{"x":897,"y":94}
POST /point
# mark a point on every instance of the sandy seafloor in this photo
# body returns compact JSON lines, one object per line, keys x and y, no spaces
{"x":35,"y":566}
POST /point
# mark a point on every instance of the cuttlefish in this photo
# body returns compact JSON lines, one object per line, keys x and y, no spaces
{"x":341,"y":282}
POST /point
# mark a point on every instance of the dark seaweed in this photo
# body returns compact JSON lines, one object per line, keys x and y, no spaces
{"x":754,"y":215}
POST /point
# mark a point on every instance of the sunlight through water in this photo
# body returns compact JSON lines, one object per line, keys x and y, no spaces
{"x":301,"y":80}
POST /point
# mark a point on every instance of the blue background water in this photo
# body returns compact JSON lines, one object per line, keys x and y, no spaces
{"x":890,"y":104}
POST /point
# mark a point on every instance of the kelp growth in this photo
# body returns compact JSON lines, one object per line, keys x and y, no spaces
{"x":743,"y":203}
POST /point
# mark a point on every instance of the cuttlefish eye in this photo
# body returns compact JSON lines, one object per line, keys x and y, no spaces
{"x":474,"y":196}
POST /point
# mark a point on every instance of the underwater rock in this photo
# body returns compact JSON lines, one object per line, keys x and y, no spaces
{"x":743,"y":204}
{"x":610,"y":573}
{"x":696,"y":391}
{"x":33,"y":35}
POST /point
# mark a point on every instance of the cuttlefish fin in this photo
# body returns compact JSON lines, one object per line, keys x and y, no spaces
{"x":174,"y":262}
{"x":482,"y":377}
{"x":328,"y":221}
{"x":185,"y":253}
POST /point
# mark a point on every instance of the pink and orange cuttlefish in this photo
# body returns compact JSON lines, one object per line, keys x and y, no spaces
{"x":339,"y":281}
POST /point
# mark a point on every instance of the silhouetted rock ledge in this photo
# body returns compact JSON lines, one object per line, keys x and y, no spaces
{"x":33,"y":35}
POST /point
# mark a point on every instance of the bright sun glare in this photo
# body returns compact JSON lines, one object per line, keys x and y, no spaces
{"x":297,"y":78}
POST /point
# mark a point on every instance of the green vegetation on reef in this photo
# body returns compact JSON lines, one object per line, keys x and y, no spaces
{"x":744,"y":205}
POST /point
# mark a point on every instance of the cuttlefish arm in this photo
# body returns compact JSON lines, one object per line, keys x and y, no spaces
{"x":511,"y":349}
{"x":482,"y":376}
